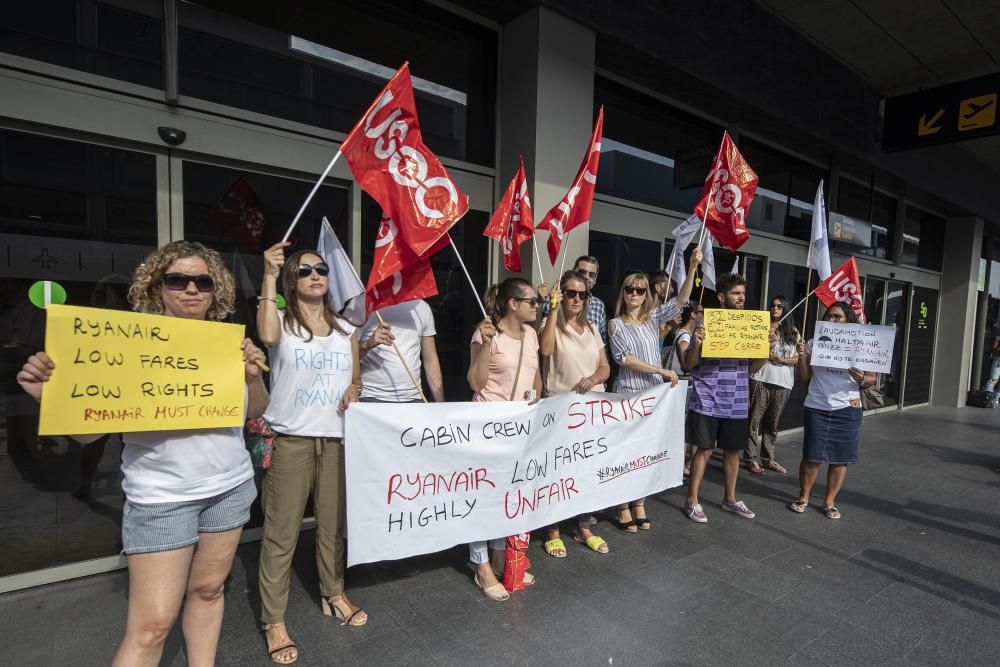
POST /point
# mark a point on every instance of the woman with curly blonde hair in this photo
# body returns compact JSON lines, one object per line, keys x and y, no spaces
{"x":187,"y":493}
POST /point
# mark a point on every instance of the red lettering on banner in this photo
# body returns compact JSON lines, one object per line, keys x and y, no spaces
{"x":432,"y":484}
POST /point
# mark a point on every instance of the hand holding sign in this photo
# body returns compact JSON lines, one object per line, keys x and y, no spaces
{"x":36,"y":370}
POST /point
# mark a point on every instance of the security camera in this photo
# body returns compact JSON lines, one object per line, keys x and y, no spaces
{"x":172,"y":136}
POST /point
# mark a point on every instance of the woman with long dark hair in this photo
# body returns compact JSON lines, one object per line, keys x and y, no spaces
{"x":315,"y":375}
{"x":771,"y":381}
{"x":504,"y":367}
{"x":187,"y":493}
{"x":832,"y":427}
{"x":574,"y":358}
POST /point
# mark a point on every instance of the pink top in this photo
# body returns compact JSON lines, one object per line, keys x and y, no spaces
{"x":503,"y":366}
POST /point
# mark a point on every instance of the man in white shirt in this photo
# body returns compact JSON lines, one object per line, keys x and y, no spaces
{"x":385,"y":380}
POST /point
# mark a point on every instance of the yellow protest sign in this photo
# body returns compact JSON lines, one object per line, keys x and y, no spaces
{"x":736,"y":334}
{"x":117,"y":371}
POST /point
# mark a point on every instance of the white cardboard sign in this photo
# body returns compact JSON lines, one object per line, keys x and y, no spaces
{"x":425,"y":477}
{"x":864,"y":346}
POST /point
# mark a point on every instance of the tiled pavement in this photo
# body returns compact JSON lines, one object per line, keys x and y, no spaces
{"x":910,"y":575}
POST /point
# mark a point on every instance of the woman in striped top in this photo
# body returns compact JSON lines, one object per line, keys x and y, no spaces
{"x":634,"y":334}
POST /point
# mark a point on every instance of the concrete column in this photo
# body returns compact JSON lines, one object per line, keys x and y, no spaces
{"x":963,"y":247}
{"x":982,"y":306}
{"x":546,"y":115}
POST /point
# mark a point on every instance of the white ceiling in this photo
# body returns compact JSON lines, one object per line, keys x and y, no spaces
{"x":901,"y":46}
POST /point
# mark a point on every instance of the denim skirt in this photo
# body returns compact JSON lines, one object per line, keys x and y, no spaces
{"x":832,"y":436}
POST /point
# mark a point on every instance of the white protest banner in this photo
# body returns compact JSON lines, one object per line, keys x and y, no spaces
{"x":425,"y":477}
{"x":864,"y":346}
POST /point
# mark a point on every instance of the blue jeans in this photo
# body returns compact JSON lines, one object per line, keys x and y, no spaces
{"x":478,"y":553}
{"x":991,"y":384}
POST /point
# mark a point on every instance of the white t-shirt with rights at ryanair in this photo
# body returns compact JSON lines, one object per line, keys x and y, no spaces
{"x":308,"y":381}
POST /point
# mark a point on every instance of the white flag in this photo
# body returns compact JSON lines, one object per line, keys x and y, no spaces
{"x":684,"y":234}
{"x":736,"y":266}
{"x":707,"y":263}
{"x":819,"y":241}
{"x":345,"y":285}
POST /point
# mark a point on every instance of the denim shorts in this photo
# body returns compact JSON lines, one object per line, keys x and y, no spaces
{"x":147,"y":528}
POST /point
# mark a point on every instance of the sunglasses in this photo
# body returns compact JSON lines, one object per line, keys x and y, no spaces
{"x":777,"y":305}
{"x":586,"y":274}
{"x":305,"y":270}
{"x":530,"y":300}
{"x":583,"y":295}
{"x":180,"y":281}
{"x":635,"y":290}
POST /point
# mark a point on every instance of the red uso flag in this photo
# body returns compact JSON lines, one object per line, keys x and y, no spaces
{"x":843,"y":285}
{"x":574,"y":209}
{"x":511,"y":223}
{"x":240,"y":215}
{"x":391,"y":163}
{"x":398,"y":274}
{"x":725,"y":199}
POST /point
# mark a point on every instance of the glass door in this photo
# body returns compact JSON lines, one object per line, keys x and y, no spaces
{"x":897,"y":301}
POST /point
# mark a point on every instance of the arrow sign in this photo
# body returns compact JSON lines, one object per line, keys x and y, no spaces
{"x":925,"y":126}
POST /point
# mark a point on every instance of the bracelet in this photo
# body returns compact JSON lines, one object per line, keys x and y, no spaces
{"x":272,"y":299}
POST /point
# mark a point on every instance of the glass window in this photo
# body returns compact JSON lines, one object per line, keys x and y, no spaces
{"x":750,"y":267}
{"x":101,"y":37}
{"x":923,"y":239}
{"x":456,"y":312}
{"x":324,"y":63}
{"x":863,"y":222}
{"x":241,"y":214}
{"x":617,"y":255}
{"x":82,"y":216}
{"x":785,"y":192}
{"x":652,"y":152}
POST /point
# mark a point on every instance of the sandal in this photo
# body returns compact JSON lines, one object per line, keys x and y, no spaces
{"x":755,"y":468}
{"x":626,"y":526}
{"x":273,"y":652}
{"x":495,"y":592}
{"x":640,"y":521}
{"x":831,"y":512}
{"x":594,"y":542}
{"x":555,"y":548}
{"x":799,"y":506}
{"x":352,"y":618}
{"x":776,"y":467}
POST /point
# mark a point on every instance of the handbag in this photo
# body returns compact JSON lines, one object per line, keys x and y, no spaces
{"x":260,"y":443}
{"x":872,"y":397}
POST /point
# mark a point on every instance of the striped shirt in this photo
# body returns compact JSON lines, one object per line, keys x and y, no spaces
{"x":721,"y":388}
{"x":642,"y":341}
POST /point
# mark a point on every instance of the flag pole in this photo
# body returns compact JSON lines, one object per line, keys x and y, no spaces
{"x":538,"y":258}
{"x":805,"y":313}
{"x":793,"y":308}
{"x":399,"y":353}
{"x":461,"y":262}
{"x":312,"y":194}
{"x":670,"y":270}
{"x":562,"y":265}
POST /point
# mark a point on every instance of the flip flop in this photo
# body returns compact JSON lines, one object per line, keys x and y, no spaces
{"x":553,"y":546}
{"x":755,"y":468}
{"x":776,"y":467}
{"x":594,"y":542}
{"x":831,"y":512}
{"x":798,"y":506}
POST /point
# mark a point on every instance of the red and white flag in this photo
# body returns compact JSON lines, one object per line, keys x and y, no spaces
{"x":240,"y":215}
{"x":725,"y":200}
{"x":391,"y":163}
{"x":574,"y":209}
{"x":844,"y":285}
{"x":398,"y":274}
{"x":511,"y":223}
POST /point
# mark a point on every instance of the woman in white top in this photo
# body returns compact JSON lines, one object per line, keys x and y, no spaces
{"x":315,"y":374}
{"x":771,"y":381}
{"x":504,"y":367}
{"x":574,"y":360}
{"x":187,"y":493}
{"x":832,"y":427}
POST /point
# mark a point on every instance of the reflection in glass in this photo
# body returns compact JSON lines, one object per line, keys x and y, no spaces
{"x":82,"y":216}
{"x":98,"y":37}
